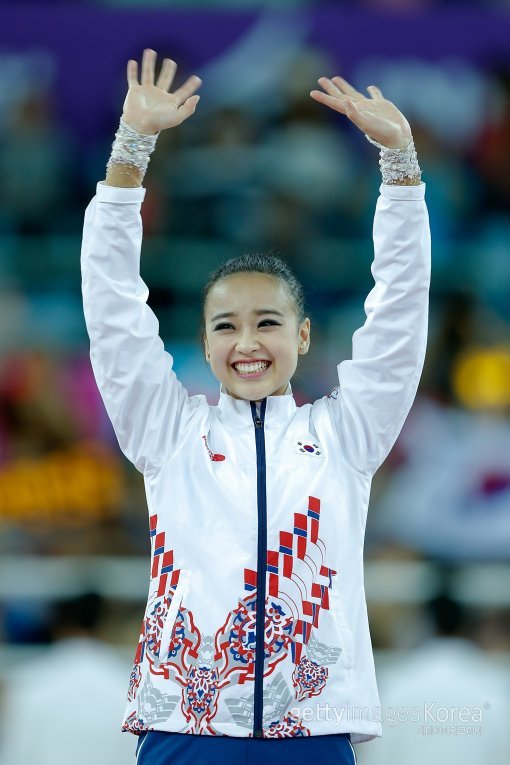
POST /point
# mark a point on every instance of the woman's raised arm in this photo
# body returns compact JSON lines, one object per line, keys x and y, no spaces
{"x":378,"y":384}
{"x":148,"y":109}
{"x":382,"y":123}
{"x":148,"y":407}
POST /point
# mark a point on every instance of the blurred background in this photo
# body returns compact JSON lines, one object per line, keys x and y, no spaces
{"x":260,"y":166}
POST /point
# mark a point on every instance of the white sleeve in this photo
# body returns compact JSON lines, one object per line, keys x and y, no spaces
{"x":147,"y":405}
{"x":377,"y":387}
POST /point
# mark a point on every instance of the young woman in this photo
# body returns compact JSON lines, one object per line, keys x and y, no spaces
{"x":255,"y":639}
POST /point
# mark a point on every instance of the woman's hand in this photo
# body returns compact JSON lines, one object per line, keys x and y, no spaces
{"x":375,"y":116}
{"x":148,"y":107}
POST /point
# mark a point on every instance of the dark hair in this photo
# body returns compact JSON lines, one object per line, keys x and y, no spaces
{"x":263,"y":264}
{"x":447,"y":614}
{"x":79,"y":612}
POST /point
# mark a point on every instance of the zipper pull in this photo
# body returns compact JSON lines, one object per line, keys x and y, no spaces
{"x":256,"y":411}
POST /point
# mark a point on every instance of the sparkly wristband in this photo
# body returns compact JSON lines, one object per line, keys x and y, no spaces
{"x":132,"y":148}
{"x":397,"y":164}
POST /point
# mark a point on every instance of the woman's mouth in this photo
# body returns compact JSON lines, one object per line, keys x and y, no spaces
{"x":251,"y":368}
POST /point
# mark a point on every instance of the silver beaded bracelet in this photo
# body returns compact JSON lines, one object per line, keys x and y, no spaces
{"x":397,"y":164}
{"x":131,"y":148}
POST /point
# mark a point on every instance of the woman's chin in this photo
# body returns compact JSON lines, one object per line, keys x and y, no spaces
{"x":254,"y":391}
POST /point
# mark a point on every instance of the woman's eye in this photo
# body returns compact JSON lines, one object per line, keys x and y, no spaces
{"x":264,"y":323}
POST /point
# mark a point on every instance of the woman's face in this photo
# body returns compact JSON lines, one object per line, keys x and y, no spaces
{"x":252,"y":336}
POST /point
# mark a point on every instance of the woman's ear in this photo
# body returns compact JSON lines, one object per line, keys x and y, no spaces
{"x":304,"y":336}
{"x":206,"y":350}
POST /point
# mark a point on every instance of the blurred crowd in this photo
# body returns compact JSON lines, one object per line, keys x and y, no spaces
{"x":288,"y":176}
{"x":295,"y":179}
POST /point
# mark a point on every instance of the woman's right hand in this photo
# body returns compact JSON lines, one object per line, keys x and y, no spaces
{"x":148,"y":107}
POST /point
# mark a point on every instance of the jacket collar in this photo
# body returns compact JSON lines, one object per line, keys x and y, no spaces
{"x":279,"y":409}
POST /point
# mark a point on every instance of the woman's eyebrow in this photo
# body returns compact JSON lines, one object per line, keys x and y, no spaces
{"x":227,"y":315}
{"x":257,"y":312}
{"x":260,"y":311}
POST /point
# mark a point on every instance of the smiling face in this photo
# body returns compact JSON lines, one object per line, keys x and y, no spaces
{"x":252,"y":335}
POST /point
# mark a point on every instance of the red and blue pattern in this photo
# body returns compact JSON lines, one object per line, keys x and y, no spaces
{"x":289,"y":727}
{"x":297,"y":584}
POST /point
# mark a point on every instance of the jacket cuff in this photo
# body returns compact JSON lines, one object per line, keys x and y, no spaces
{"x":118,"y":195}
{"x":390,"y":191}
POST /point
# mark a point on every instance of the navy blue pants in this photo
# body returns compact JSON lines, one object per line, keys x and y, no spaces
{"x":158,"y":748}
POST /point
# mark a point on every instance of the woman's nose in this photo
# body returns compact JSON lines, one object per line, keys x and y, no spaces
{"x":247,"y":343}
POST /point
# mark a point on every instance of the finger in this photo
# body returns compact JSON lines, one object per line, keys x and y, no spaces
{"x":185,"y":91}
{"x":132,"y":73}
{"x":148,"y":61}
{"x":329,"y":87}
{"x":188,"y":108}
{"x":338,"y":104}
{"x":167,"y":74}
{"x":375,"y":92}
{"x":345,"y":87}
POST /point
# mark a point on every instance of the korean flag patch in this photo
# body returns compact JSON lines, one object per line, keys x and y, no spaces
{"x":309,"y":447}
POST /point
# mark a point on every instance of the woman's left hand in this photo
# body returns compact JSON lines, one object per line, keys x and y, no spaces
{"x":374,"y":115}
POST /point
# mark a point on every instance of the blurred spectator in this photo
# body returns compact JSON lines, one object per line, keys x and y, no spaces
{"x":35,"y":167}
{"x":452,"y":189}
{"x":491,"y":154}
{"x":445,"y":703}
{"x":451,"y":495}
{"x":34,"y":416}
{"x":66,"y":706}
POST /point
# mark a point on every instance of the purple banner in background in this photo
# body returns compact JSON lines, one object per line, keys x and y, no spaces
{"x":85,"y":49}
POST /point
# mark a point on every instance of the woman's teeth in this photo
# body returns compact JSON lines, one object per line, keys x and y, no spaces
{"x":250,"y":368}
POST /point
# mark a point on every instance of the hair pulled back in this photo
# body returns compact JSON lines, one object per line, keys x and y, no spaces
{"x":268,"y":264}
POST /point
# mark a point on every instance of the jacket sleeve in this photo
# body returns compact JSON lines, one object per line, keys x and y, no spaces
{"x":147,"y":405}
{"x":378,"y":385}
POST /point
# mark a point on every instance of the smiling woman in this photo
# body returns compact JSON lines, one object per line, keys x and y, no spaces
{"x":265,"y":623}
{"x":254,"y":354}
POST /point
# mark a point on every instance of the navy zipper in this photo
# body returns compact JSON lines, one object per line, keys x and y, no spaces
{"x":260,"y":445}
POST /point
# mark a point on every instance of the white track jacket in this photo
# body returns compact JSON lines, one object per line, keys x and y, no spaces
{"x":256,"y":621}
